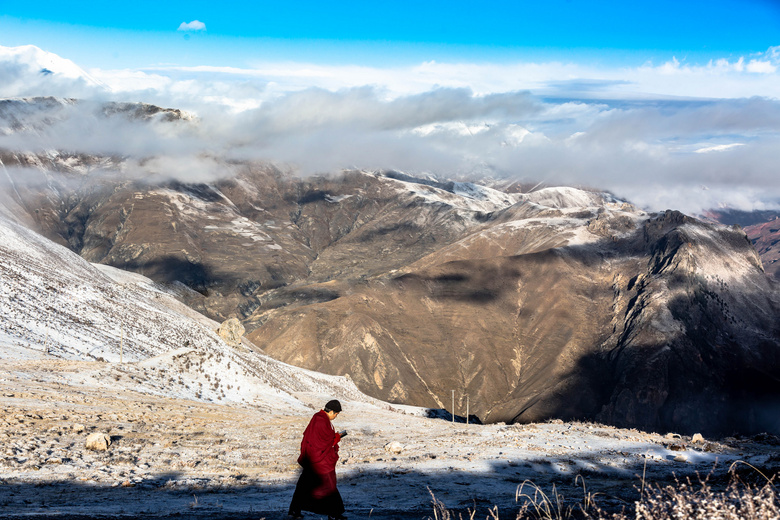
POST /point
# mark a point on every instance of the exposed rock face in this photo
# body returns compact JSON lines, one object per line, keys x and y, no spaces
{"x":231,"y":332}
{"x":699,"y":342}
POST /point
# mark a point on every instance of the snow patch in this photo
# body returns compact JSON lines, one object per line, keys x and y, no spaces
{"x":566,"y":197}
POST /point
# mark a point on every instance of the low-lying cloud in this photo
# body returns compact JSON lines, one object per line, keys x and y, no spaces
{"x":628,"y":131}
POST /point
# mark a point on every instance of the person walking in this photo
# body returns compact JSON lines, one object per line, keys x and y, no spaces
{"x":316,"y":490}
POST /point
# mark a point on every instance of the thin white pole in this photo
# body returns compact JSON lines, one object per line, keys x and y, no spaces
{"x":467,"y":410}
{"x":453,"y":407}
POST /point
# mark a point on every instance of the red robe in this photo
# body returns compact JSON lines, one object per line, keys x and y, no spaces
{"x":316,"y":490}
{"x":319,"y":447}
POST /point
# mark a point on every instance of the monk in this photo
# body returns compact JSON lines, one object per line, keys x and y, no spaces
{"x":316,"y":489}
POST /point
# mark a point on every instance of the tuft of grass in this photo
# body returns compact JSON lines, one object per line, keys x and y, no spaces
{"x":538,"y":505}
{"x":440,"y":511}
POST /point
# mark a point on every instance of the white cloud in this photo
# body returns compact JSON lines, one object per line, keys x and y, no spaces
{"x":761,"y":67}
{"x":246,"y":88}
{"x":194,"y":25}
{"x":647,"y":132}
{"x":718,"y":148}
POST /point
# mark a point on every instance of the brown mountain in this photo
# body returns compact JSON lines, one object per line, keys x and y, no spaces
{"x":661,"y":323}
{"x":555,"y":303}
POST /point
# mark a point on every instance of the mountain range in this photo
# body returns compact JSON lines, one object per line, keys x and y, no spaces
{"x":519,"y":305}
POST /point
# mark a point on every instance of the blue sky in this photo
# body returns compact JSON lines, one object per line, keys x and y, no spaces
{"x":144,"y":33}
{"x":668,"y":104}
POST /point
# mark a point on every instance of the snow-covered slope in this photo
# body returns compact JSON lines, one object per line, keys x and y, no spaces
{"x":54,"y":304}
{"x":464,"y":196}
{"x":567,"y":197}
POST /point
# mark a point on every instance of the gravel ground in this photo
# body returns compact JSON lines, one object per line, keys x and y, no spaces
{"x":182,"y":458}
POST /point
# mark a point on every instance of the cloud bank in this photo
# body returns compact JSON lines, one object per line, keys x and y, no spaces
{"x":674,"y":135}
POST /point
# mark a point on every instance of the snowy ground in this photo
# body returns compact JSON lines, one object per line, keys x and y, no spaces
{"x":174,"y":457}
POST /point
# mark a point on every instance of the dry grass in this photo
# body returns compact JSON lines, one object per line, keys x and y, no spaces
{"x":682,"y":500}
{"x":699,"y":501}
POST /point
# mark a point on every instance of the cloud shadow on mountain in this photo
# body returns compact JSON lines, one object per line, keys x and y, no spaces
{"x":381,"y":232}
{"x":172,"y":268}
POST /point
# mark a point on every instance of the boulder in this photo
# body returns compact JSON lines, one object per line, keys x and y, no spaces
{"x":394,"y":447}
{"x":231,"y":331}
{"x":98,"y":441}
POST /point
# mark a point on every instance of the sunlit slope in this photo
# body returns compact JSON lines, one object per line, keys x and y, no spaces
{"x":597,"y":311}
{"x":55,"y":305}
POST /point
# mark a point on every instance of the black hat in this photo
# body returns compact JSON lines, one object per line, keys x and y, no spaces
{"x":333,"y":406}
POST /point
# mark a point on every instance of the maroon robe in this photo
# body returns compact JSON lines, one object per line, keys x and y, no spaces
{"x":316,"y":490}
